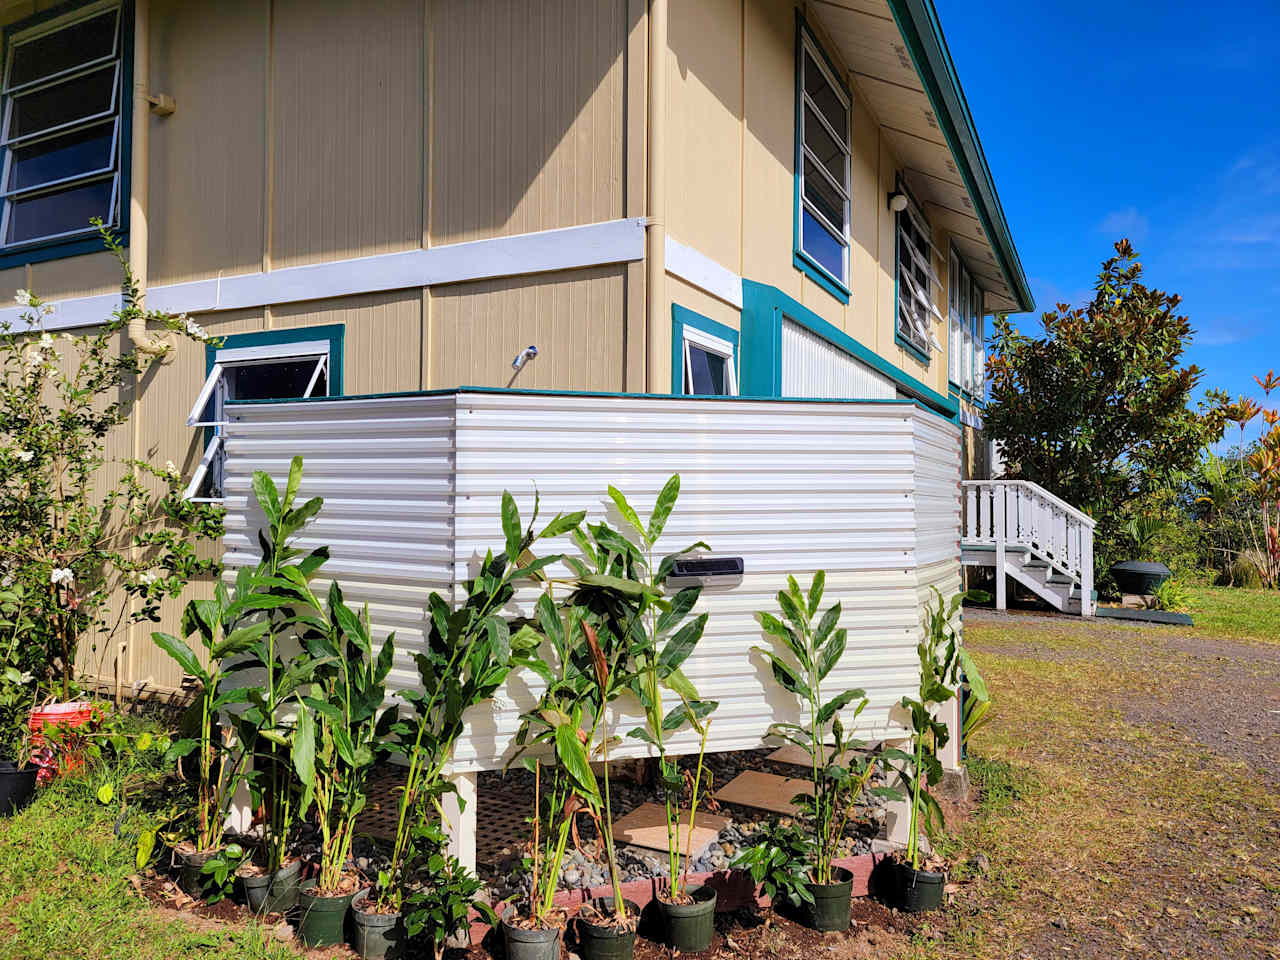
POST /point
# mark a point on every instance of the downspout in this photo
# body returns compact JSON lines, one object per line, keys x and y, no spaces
{"x":655,"y":170}
{"x":138,"y":165}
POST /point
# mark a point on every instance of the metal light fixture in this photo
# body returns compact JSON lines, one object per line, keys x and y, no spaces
{"x":522,"y":358}
{"x":897,"y":201}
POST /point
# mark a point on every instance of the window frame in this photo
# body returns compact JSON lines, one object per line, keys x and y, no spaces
{"x":928,"y":344}
{"x":966,"y":317}
{"x":808,"y":44}
{"x":693,"y":329}
{"x":75,"y":242}
{"x":324,"y":343}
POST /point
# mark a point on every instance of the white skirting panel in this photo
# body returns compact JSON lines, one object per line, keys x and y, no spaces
{"x":815,"y":367}
{"x":865,"y":491}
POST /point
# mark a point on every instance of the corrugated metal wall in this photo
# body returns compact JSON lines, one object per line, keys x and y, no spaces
{"x":814,"y":367}
{"x":413,"y":486}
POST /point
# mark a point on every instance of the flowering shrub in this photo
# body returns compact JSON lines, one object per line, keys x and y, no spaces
{"x":88,"y":543}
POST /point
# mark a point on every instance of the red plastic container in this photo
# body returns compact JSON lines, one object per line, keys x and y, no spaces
{"x":67,"y":716}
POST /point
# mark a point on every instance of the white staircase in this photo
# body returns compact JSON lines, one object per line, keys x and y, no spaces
{"x":1025,"y":532}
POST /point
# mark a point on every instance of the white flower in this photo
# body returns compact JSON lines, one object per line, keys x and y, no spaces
{"x":23,"y":297}
{"x":7,"y":581}
{"x":25,"y":456}
{"x":148,"y":578}
{"x":170,"y":469}
{"x":34,"y":358}
{"x":46,"y":309}
{"x":61,"y":575}
{"x":46,"y":342}
{"x":193,"y":329}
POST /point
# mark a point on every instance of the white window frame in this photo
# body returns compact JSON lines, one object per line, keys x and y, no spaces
{"x":214,"y":388}
{"x":917,"y":309}
{"x":710,"y":343}
{"x":966,"y":366}
{"x":840,"y":234}
{"x":7,"y":144}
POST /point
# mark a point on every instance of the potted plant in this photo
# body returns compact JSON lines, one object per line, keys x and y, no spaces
{"x":17,"y":772}
{"x":1142,"y":575}
{"x":661,"y":636}
{"x":467,"y":656}
{"x":17,"y":692}
{"x":943,"y":666}
{"x":839,"y":771}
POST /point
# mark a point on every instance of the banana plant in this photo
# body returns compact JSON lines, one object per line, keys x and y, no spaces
{"x":838,"y":768}
{"x":660,"y":635}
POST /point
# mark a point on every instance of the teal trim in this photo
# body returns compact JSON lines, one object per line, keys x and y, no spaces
{"x":763,"y":308}
{"x":42,"y":251}
{"x":682,"y":317}
{"x":910,"y":347}
{"x":799,"y":259}
{"x":918,"y":23}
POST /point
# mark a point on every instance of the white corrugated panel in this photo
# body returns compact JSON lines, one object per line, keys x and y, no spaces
{"x":815,"y":367}
{"x":413,"y":486}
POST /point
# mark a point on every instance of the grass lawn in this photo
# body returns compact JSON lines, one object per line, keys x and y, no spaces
{"x":1133,"y":777}
{"x":64,"y":892}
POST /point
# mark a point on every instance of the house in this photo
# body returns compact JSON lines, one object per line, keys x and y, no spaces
{"x":717,"y":198}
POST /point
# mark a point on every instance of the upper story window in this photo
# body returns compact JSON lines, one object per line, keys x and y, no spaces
{"x":967,"y":354}
{"x":917,"y":282}
{"x":61,"y":126}
{"x":822,"y":166}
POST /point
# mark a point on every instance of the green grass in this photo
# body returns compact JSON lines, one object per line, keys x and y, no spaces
{"x":1236,"y":612}
{"x":65,"y":892}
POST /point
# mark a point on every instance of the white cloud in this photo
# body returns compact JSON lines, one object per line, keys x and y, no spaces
{"x":1127,"y":222}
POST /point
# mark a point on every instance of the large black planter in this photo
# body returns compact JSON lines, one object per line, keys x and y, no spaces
{"x":690,"y":926}
{"x":376,"y":936}
{"x":16,"y":786}
{"x":542,"y":943}
{"x":1140,"y":576}
{"x":605,"y":941}
{"x":830,"y":907}
{"x":919,"y":890}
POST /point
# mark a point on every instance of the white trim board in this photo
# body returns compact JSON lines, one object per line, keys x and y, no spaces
{"x":596,"y":244}
{"x":697,"y":268}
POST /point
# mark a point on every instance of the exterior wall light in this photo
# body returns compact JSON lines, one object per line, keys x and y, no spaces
{"x":897,"y":201}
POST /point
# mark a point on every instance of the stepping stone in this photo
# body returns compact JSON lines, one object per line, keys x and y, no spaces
{"x":794,"y":755}
{"x":646,"y":826}
{"x":763,"y":791}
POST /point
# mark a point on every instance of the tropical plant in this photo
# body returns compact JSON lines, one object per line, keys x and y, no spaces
{"x":1171,"y":595}
{"x":19,"y":689}
{"x":1098,"y":410}
{"x":661,"y":636}
{"x":839,"y":770}
{"x":92,"y":544}
{"x":468,"y":655}
{"x":944,"y":665}
{"x":1142,"y":532}
{"x":779,"y":859}
{"x":439,"y":906}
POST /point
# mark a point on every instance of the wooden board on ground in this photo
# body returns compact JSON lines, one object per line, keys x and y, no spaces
{"x":763,"y":791}
{"x":646,"y":826}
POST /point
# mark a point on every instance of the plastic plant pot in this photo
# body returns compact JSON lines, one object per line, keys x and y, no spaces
{"x":690,"y":926}
{"x":604,"y":941}
{"x":282,"y":893}
{"x":17,"y":786}
{"x":919,"y":890}
{"x":830,"y":907}
{"x":68,"y":716}
{"x":376,"y":936}
{"x":538,"y":944}
{"x":322,"y":921}
{"x":190,"y":867}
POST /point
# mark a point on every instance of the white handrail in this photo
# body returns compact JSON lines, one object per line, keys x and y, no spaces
{"x":1040,"y":492}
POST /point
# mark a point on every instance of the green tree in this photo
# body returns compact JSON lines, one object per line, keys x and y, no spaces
{"x":1098,"y":410}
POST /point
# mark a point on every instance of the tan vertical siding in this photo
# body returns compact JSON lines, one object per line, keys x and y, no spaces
{"x":382,"y":340}
{"x":347,"y":109}
{"x":527,"y":103}
{"x":89,"y":275}
{"x":207,"y":189}
{"x":574,"y":318}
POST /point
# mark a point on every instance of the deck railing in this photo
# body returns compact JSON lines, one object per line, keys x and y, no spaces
{"x":1018,"y":513}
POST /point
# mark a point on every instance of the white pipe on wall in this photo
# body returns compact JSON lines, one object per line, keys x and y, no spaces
{"x":138,"y":165}
{"x":655,"y":169}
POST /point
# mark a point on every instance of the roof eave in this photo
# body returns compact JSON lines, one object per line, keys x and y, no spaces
{"x":918,"y":23}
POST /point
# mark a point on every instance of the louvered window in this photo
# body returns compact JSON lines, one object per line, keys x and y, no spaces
{"x":823,"y":174}
{"x":917,"y":283}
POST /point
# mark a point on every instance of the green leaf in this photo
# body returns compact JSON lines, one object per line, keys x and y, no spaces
{"x":680,"y":685}
{"x":294,"y":481}
{"x":815,"y":591}
{"x":105,"y":794}
{"x":146,"y":847}
{"x":977,"y":686}
{"x":264,"y":488}
{"x":240,"y":639}
{"x":678,"y":607}
{"x":511,"y":525}
{"x":629,"y":588}
{"x":662,"y":508}
{"x":573,"y":755}
{"x":179,"y":650}
{"x":681,"y":645}
{"x":627,"y":511}
{"x":562,"y":523}
{"x":832,"y":652}
{"x":785,"y":674}
{"x":839,"y":702}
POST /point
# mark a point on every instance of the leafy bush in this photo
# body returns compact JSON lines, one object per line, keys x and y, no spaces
{"x":1172,"y":596}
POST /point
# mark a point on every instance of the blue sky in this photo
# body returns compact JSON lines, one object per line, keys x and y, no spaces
{"x":1155,"y":121}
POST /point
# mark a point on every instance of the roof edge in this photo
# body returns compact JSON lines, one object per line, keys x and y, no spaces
{"x":918,"y":23}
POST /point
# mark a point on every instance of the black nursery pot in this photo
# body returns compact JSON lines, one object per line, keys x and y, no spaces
{"x":603,"y":941}
{"x":323,"y":920}
{"x":1140,"y":576}
{"x":273,"y":892}
{"x":690,"y":926}
{"x":522,"y":944}
{"x":17,"y":786}
{"x":376,"y":936}
{"x":830,"y":907}
{"x":190,"y":871}
{"x":919,"y":890}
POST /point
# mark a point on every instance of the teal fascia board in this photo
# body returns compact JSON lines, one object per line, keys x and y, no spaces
{"x":918,"y":23}
{"x":763,"y":309}
{"x":335,"y":333}
{"x":682,"y":317}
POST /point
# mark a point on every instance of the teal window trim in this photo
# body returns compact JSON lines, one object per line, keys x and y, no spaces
{"x":682,"y":317}
{"x":799,"y":259}
{"x":910,"y":348}
{"x":763,"y":309}
{"x":42,"y":251}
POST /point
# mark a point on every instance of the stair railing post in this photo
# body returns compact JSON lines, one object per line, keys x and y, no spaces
{"x":998,"y":510}
{"x":1086,"y":570}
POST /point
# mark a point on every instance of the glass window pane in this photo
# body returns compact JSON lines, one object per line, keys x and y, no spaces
{"x":823,"y":147}
{"x":64,"y":102}
{"x":60,"y":211}
{"x":706,"y":374}
{"x":63,"y":49}
{"x":818,"y":191}
{"x":819,"y":244}
{"x":282,"y":380}
{"x":822,"y":93}
{"x":84,"y":151}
